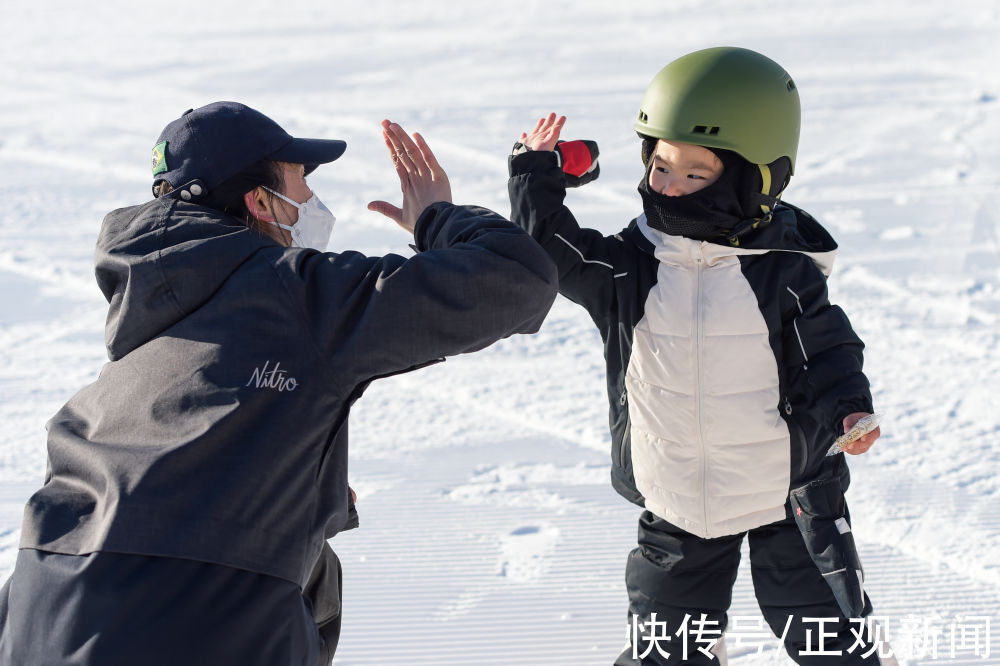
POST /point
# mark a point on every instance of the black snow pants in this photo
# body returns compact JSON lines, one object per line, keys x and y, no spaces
{"x":683,"y":578}
{"x":111,"y":608}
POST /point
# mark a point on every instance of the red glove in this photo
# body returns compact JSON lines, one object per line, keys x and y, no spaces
{"x":577,"y":159}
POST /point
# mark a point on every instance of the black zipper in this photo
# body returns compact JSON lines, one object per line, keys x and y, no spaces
{"x":623,"y":401}
{"x":795,"y":431}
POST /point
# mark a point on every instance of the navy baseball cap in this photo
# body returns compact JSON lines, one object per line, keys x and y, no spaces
{"x":207,"y":146}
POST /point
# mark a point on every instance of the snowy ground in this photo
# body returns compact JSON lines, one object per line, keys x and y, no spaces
{"x":490,"y":533}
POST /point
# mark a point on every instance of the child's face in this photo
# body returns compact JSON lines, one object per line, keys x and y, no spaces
{"x":682,"y":168}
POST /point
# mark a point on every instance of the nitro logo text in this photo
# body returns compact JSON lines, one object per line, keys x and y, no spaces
{"x":275,"y":378}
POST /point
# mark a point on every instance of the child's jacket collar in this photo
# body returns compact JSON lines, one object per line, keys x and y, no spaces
{"x":791,"y":230}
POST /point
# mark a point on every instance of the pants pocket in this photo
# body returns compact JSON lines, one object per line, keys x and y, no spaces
{"x":324,"y":591}
{"x":820,"y":513}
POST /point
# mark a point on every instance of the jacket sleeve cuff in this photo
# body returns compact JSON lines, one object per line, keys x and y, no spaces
{"x":423,"y":228}
{"x":860,"y":405}
{"x":533,"y":160}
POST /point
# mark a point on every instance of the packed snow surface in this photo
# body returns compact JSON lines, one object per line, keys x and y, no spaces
{"x":490,"y":533}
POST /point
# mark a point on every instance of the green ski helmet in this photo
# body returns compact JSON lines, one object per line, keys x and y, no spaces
{"x":725,"y":97}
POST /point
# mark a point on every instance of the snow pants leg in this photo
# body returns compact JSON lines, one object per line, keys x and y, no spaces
{"x":674,"y":574}
{"x":681,"y":578}
{"x":797,"y":602}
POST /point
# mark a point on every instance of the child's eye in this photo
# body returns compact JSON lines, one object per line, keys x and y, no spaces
{"x":662,"y":169}
{"x":694,"y":176}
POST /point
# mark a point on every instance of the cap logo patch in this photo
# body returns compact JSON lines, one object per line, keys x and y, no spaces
{"x":160,"y":158}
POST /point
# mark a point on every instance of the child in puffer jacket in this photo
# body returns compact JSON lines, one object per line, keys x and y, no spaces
{"x":730,"y":374}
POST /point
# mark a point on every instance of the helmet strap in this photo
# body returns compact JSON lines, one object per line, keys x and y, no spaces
{"x":765,"y":188}
{"x":767,"y":201}
{"x":735,"y":237}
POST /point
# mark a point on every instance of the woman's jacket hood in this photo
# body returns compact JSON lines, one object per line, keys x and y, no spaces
{"x":156,"y":266}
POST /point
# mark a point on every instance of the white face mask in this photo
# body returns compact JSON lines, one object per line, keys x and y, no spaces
{"x":315,"y":222}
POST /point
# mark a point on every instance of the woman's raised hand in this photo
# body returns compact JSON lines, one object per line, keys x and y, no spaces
{"x":421,"y":178}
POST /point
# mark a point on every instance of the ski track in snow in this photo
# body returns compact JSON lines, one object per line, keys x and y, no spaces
{"x":490,"y":532}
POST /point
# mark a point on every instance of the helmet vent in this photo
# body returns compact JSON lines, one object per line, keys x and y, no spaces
{"x":643,"y":117}
{"x":704,"y":129}
{"x":790,"y":85}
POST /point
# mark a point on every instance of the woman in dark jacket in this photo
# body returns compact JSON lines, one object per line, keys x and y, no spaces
{"x":192,"y":488}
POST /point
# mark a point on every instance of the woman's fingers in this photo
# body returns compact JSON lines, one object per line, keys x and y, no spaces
{"x":428,"y":155}
{"x":433,"y":181}
{"x":421,"y":177}
{"x":387,"y":209}
{"x":397,"y":152}
{"x":406,"y":151}
{"x":404,"y":176}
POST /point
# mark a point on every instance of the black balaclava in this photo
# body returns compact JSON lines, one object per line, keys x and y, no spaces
{"x":722,"y":212}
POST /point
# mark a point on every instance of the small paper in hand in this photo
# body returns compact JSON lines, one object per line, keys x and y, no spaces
{"x":860,"y":429}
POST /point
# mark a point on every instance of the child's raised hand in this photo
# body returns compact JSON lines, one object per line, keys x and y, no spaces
{"x":546,"y":133}
{"x":863,"y":443}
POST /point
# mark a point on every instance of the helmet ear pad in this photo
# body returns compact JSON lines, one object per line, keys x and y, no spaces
{"x":648,"y":148}
{"x":748,"y":180}
{"x":750,"y":177}
{"x":781,"y":173}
